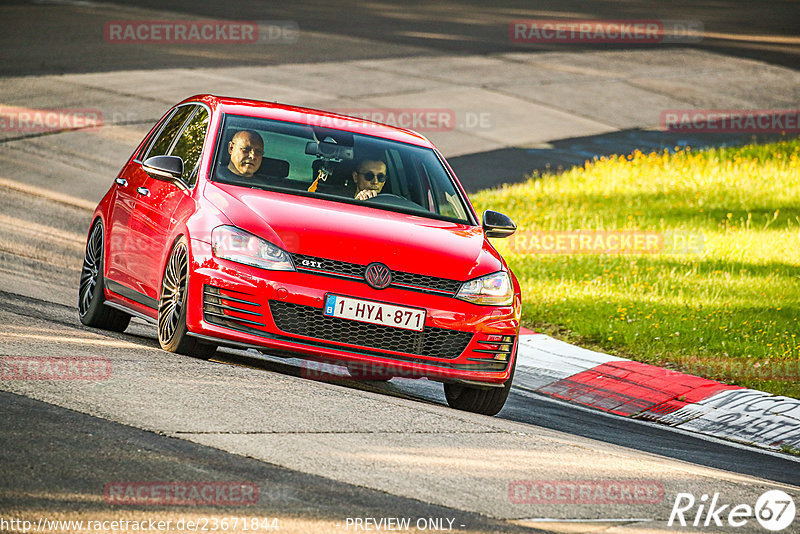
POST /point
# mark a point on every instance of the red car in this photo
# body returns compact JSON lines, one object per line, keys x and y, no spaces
{"x":307,"y":234}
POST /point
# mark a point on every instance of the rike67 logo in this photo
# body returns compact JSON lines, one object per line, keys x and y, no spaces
{"x":774,"y":510}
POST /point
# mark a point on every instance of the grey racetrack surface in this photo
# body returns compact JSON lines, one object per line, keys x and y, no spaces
{"x":322,"y":451}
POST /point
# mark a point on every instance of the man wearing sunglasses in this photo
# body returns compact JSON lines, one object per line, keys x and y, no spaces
{"x":369,"y":177}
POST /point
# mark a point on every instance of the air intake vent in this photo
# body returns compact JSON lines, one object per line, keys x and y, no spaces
{"x":224,"y":307}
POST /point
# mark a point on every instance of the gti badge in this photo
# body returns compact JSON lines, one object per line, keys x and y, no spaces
{"x":378,"y":275}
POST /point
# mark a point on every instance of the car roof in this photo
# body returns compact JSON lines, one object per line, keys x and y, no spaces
{"x":312,"y":117}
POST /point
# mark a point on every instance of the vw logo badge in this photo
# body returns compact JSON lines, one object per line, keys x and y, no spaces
{"x":378,"y":275}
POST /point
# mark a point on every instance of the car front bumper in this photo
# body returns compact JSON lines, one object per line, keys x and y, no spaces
{"x":281,"y":312}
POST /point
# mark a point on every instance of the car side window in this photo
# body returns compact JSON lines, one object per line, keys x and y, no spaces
{"x":445,"y":196}
{"x":164,"y":140}
{"x":190,"y":145}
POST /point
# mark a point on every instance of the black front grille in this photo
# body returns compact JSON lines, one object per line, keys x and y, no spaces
{"x":355,"y":272}
{"x":326,"y":266}
{"x":425,"y":282}
{"x":309,"y":321}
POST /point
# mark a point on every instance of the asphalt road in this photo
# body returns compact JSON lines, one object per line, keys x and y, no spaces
{"x":58,"y":36}
{"x":319,"y":451}
{"x":75,"y":456}
{"x":540,"y":411}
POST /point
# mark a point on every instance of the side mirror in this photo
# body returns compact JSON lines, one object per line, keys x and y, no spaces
{"x":495,"y":224}
{"x":169,"y":168}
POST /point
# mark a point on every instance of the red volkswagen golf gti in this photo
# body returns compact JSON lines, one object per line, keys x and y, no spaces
{"x":306,"y":234}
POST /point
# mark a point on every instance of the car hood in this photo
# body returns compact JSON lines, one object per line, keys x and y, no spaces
{"x":358,"y":234}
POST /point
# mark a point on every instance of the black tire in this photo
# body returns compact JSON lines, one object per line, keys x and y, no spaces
{"x":91,"y":293}
{"x":172,"y":331}
{"x":476,"y":399}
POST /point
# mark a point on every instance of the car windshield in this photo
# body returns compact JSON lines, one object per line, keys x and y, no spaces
{"x":336,"y":165}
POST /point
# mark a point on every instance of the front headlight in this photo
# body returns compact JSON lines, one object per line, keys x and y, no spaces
{"x":490,"y":290}
{"x":234,"y":244}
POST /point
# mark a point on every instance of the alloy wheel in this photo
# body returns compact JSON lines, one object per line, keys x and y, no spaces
{"x":173,"y":291}
{"x":90,"y":272}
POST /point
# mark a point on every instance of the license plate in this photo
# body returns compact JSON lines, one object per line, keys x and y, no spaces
{"x":369,"y":311}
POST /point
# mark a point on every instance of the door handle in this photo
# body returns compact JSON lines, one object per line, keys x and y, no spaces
{"x":121,"y":181}
{"x":143,"y":191}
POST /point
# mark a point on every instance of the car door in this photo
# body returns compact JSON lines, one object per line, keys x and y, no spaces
{"x":163,"y":204}
{"x":124,"y":232}
{"x":118,"y":272}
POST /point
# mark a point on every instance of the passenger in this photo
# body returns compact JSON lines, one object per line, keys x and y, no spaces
{"x":246,"y":150}
{"x":369,"y":177}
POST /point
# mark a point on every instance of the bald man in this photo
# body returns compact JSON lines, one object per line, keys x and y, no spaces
{"x":246,"y":150}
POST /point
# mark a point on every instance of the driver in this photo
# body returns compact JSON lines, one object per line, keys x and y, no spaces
{"x":369,"y":177}
{"x":246,"y":150}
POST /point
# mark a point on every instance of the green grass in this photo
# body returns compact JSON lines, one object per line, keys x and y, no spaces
{"x":729,"y":312}
{"x":789,"y":449}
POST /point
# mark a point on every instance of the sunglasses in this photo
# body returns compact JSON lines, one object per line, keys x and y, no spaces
{"x":369,"y":176}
